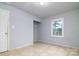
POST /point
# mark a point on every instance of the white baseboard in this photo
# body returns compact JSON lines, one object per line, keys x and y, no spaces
{"x":63,"y":45}
{"x":25,"y":45}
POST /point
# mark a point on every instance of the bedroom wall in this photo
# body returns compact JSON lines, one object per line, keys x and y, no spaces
{"x":71,"y":30}
{"x":21,"y":26}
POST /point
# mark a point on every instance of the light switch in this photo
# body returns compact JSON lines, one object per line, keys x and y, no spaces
{"x":13,"y":27}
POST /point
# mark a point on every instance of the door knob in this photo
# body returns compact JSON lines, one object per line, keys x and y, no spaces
{"x":6,"y":33}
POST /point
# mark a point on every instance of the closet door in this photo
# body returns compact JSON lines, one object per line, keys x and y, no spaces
{"x":35,"y":32}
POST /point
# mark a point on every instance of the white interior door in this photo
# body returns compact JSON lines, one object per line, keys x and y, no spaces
{"x":4,"y":19}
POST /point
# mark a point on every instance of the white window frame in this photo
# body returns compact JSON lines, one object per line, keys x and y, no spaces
{"x":52,"y":35}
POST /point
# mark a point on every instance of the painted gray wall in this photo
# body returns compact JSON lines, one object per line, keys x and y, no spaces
{"x":71,"y":30}
{"x":22,"y":34}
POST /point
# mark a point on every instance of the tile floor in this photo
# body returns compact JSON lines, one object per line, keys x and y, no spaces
{"x":42,"y":49}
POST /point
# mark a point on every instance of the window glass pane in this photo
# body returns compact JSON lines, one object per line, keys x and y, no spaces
{"x":57,"y":27}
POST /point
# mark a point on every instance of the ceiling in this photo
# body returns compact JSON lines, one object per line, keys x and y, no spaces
{"x":47,"y":10}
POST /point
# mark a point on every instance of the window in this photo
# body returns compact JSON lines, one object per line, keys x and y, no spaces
{"x":57,"y":27}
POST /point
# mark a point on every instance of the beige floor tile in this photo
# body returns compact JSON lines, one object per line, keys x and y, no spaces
{"x":42,"y":49}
